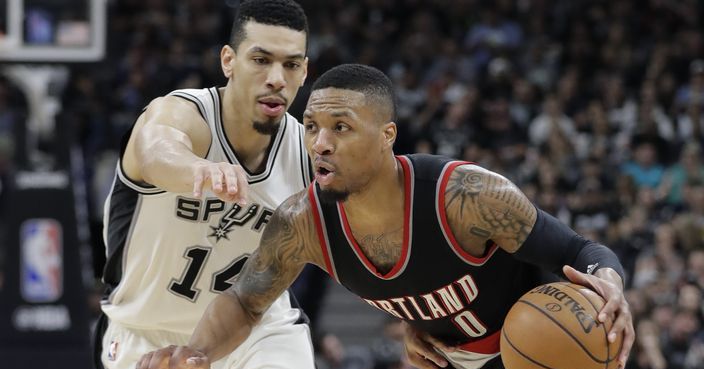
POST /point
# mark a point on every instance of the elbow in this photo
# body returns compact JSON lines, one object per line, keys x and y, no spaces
{"x":250,"y":313}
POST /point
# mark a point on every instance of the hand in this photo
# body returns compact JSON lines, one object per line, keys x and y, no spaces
{"x":420,"y":348}
{"x":227,"y":181}
{"x":607,"y":283}
{"x":174,"y":357}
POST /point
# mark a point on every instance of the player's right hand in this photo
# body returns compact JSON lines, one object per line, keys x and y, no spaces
{"x":422,"y":349}
{"x":174,"y":357}
{"x":227,"y":181}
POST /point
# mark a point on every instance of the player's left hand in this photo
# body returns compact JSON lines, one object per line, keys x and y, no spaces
{"x":174,"y":357}
{"x":421,"y":349}
{"x":607,"y":283}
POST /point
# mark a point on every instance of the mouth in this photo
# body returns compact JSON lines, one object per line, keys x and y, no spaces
{"x":272,"y":106}
{"x":324,"y":173}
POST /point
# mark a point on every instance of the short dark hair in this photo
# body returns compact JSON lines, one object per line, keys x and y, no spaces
{"x":373,"y":83}
{"x":286,"y":13}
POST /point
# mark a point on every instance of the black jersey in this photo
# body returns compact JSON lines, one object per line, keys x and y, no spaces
{"x":435,"y":285}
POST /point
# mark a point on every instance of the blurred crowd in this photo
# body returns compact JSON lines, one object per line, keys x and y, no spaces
{"x":592,"y":107}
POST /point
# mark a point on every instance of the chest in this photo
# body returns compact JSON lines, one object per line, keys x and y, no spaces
{"x":383,"y":249}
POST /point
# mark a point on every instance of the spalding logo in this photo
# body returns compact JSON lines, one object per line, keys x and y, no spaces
{"x":553,"y":307}
{"x":584,"y":319}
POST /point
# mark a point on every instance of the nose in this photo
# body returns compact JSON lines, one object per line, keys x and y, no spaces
{"x":275,"y":78}
{"x":322,"y":143}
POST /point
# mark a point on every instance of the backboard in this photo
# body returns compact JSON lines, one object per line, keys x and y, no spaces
{"x":51,"y":31}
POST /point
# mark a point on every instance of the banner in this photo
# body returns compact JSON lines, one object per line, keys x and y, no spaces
{"x":43,"y":303}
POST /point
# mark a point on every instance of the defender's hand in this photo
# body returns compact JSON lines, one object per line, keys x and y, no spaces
{"x":421,"y":349}
{"x":227,"y":181}
{"x":174,"y":357}
{"x":609,"y":285}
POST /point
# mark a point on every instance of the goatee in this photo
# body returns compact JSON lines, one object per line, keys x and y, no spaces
{"x":267,"y":128}
{"x":332,"y":196}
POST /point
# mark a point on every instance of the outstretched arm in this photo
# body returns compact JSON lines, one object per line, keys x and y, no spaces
{"x":167,"y":149}
{"x":289,"y":242}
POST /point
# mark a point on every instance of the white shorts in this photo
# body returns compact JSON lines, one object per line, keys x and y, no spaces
{"x":274,"y":343}
{"x":467,"y":360}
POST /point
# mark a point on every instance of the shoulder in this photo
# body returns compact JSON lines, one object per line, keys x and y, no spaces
{"x":292,"y":120}
{"x":294,"y":215}
{"x":171,"y":104}
{"x":472,"y":185}
{"x":474,"y":179}
{"x":188,"y":101}
{"x":295,"y":206}
{"x":293,"y":227}
{"x":185,"y":114}
{"x":489,"y":206}
{"x":293,"y":125}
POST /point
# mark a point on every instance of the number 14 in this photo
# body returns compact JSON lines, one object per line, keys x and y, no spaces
{"x":197,"y":257}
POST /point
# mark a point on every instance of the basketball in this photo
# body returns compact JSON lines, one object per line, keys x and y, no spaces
{"x":555,"y":325}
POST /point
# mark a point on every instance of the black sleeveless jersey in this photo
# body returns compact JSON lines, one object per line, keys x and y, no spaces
{"x":435,"y":285}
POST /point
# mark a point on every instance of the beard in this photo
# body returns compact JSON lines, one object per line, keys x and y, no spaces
{"x":332,"y":196}
{"x":269,"y":127}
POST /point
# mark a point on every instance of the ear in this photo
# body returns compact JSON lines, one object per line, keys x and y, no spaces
{"x":305,"y":71}
{"x":389,"y":132}
{"x":227,"y":60}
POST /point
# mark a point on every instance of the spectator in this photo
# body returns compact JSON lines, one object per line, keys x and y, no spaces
{"x":551,"y":118}
{"x":689,"y":168}
{"x":644,"y":168}
{"x":693,"y":92}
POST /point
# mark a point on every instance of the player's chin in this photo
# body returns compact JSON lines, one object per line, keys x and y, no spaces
{"x":329,"y":195}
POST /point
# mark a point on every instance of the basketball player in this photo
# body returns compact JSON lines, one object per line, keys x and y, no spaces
{"x":444,"y":245}
{"x":197,"y":182}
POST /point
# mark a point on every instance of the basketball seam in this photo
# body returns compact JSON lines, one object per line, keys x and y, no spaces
{"x":522,"y":354}
{"x":606,"y":335}
{"x":565,"y":330}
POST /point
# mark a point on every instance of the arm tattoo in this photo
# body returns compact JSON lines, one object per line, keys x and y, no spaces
{"x":482,"y":205}
{"x":283,"y":251}
{"x":466,"y":186}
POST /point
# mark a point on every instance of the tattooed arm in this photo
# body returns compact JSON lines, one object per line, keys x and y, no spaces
{"x":289,"y":242}
{"x":482,"y":205}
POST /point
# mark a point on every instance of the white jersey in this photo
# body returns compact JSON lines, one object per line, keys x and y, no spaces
{"x":170,"y":254}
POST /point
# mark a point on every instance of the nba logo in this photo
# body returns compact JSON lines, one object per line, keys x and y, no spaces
{"x":112,"y":351}
{"x":41,"y":269}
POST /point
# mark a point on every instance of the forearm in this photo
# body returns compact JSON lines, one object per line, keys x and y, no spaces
{"x":599,"y":260}
{"x":223,"y":327}
{"x":168,"y":162}
{"x":274,"y":265}
{"x":552,"y":244}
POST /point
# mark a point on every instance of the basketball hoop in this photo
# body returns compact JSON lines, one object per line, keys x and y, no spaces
{"x":35,"y":33}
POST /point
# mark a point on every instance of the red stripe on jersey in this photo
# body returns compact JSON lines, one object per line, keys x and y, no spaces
{"x":446,"y":226}
{"x":406,"y":228}
{"x":317,"y":217}
{"x":486,"y":345}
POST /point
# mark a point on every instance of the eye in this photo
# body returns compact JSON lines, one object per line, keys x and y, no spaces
{"x":342,"y":127}
{"x":310,"y":126}
{"x":260,"y":61}
{"x":292,"y":65}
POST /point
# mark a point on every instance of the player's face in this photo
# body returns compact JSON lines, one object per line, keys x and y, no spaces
{"x":345,"y":140}
{"x":266,"y":71}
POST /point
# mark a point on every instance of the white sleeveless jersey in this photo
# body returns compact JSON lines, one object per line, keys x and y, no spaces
{"x":170,"y":254}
